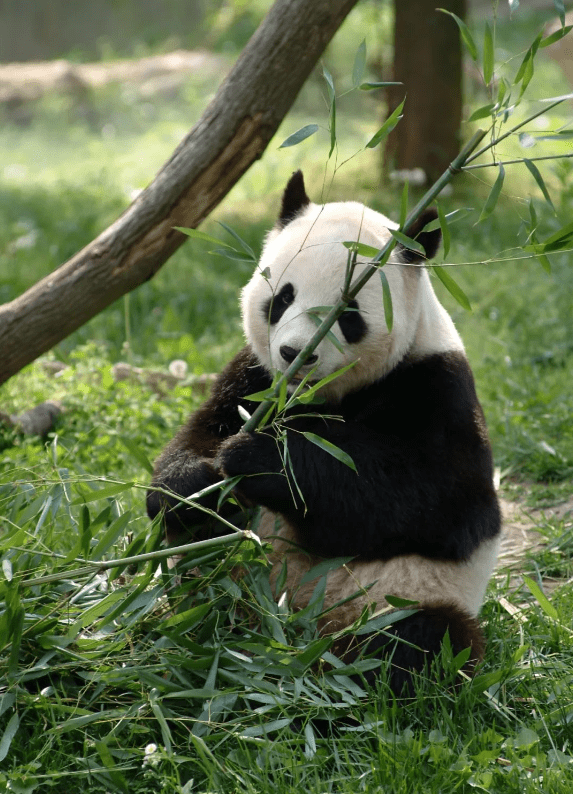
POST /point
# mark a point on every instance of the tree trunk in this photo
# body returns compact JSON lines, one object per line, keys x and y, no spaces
{"x":428,"y":61}
{"x":233,"y":132}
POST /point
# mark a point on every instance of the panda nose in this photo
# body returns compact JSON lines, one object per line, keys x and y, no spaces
{"x":290,"y":353}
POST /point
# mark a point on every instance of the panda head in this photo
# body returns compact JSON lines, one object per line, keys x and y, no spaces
{"x":303,"y":266}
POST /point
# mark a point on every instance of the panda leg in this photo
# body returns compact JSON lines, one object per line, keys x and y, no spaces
{"x":413,"y":644}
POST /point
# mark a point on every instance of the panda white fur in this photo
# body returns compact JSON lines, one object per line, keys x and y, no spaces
{"x":420,"y":517}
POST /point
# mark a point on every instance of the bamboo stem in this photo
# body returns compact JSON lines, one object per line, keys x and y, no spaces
{"x":519,"y":160}
{"x":103,"y":565}
{"x":513,"y":129}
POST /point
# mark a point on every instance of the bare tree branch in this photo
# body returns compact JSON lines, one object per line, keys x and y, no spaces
{"x":233,"y":132}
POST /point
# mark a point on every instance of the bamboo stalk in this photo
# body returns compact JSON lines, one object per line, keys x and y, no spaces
{"x":104,"y":565}
{"x":514,"y":162}
{"x":514,"y":129}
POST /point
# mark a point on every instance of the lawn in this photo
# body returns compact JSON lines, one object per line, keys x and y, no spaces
{"x":115,"y":680}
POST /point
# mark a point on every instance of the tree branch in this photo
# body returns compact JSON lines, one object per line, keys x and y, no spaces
{"x":232,"y":133}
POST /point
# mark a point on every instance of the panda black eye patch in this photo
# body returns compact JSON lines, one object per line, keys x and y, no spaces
{"x":275,"y":307}
{"x":352,"y":324}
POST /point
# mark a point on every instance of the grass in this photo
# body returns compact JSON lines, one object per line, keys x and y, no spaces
{"x":129,"y":682}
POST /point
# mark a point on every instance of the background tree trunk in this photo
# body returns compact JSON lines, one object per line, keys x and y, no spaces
{"x":428,"y":61}
{"x":233,"y":132}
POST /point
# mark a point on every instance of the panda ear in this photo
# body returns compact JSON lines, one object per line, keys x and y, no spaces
{"x":294,"y":200}
{"x":430,"y":241}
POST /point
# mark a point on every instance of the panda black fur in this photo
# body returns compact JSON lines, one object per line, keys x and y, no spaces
{"x":420,"y":518}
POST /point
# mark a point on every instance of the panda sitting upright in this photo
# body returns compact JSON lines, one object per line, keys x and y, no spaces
{"x":419,"y":517}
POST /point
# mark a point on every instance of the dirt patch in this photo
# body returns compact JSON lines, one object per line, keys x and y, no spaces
{"x":521,"y":534}
{"x":156,"y":74}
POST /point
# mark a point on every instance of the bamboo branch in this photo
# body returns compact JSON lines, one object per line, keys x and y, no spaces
{"x":514,"y":129}
{"x":160,"y":554}
{"x":497,"y":163}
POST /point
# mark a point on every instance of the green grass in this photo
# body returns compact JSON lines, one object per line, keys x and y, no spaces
{"x":126,"y":682}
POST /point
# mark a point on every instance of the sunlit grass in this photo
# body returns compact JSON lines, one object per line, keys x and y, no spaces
{"x":121,"y":682}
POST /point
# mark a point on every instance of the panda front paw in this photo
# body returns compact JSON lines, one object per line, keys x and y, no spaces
{"x":183,"y":478}
{"x":256,"y":457}
{"x":249,"y":453}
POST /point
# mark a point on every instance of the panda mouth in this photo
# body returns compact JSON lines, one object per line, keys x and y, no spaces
{"x":296,"y":382}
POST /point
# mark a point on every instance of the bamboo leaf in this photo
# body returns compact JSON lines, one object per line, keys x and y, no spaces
{"x":329,"y":83}
{"x":111,"y":534}
{"x":260,"y":396}
{"x":359,"y":64}
{"x":387,"y":127}
{"x":269,"y":727}
{"x":525,"y":71}
{"x":16,"y":627}
{"x":383,"y":621}
{"x":407,"y":242}
{"x":197,"y":235}
{"x":561,"y":239}
{"x":461,"y":658}
{"x":534,"y":171}
{"x":546,"y":42}
{"x":319,"y":310}
{"x":396,"y":601}
{"x":446,"y":240}
{"x":453,"y":288}
{"x":244,"y":245}
{"x":361,"y":249}
{"x":541,"y":598}
{"x":330,"y":336}
{"x":103,"y":493}
{"x":560,"y":8}
{"x":8,"y":735}
{"x":300,"y":135}
{"x":314,"y":651}
{"x":92,"y":613}
{"x":488,"y":55}
{"x":481,"y":113}
{"x":331,"y":448}
{"x":324,"y":567}
{"x":562,"y":135}
{"x":308,"y":395}
{"x":332,"y":126}
{"x":159,"y":716}
{"x":502,"y":88}
{"x":387,"y":302}
{"x":184,"y":621}
{"x":489,"y":206}
{"x":451,"y":217}
{"x":465,"y":33}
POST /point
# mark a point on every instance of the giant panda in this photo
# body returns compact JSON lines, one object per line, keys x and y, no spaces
{"x":419,"y":517}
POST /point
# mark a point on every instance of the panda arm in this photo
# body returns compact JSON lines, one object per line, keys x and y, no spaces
{"x":186,"y":464}
{"x":424,"y":471}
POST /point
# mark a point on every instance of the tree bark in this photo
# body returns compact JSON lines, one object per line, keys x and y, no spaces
{"x":232,"y":133}
{"x":428,"y":61}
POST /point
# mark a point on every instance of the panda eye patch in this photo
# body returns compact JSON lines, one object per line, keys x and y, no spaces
{"x":352,"y":324}
{"x":275,"y":307}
